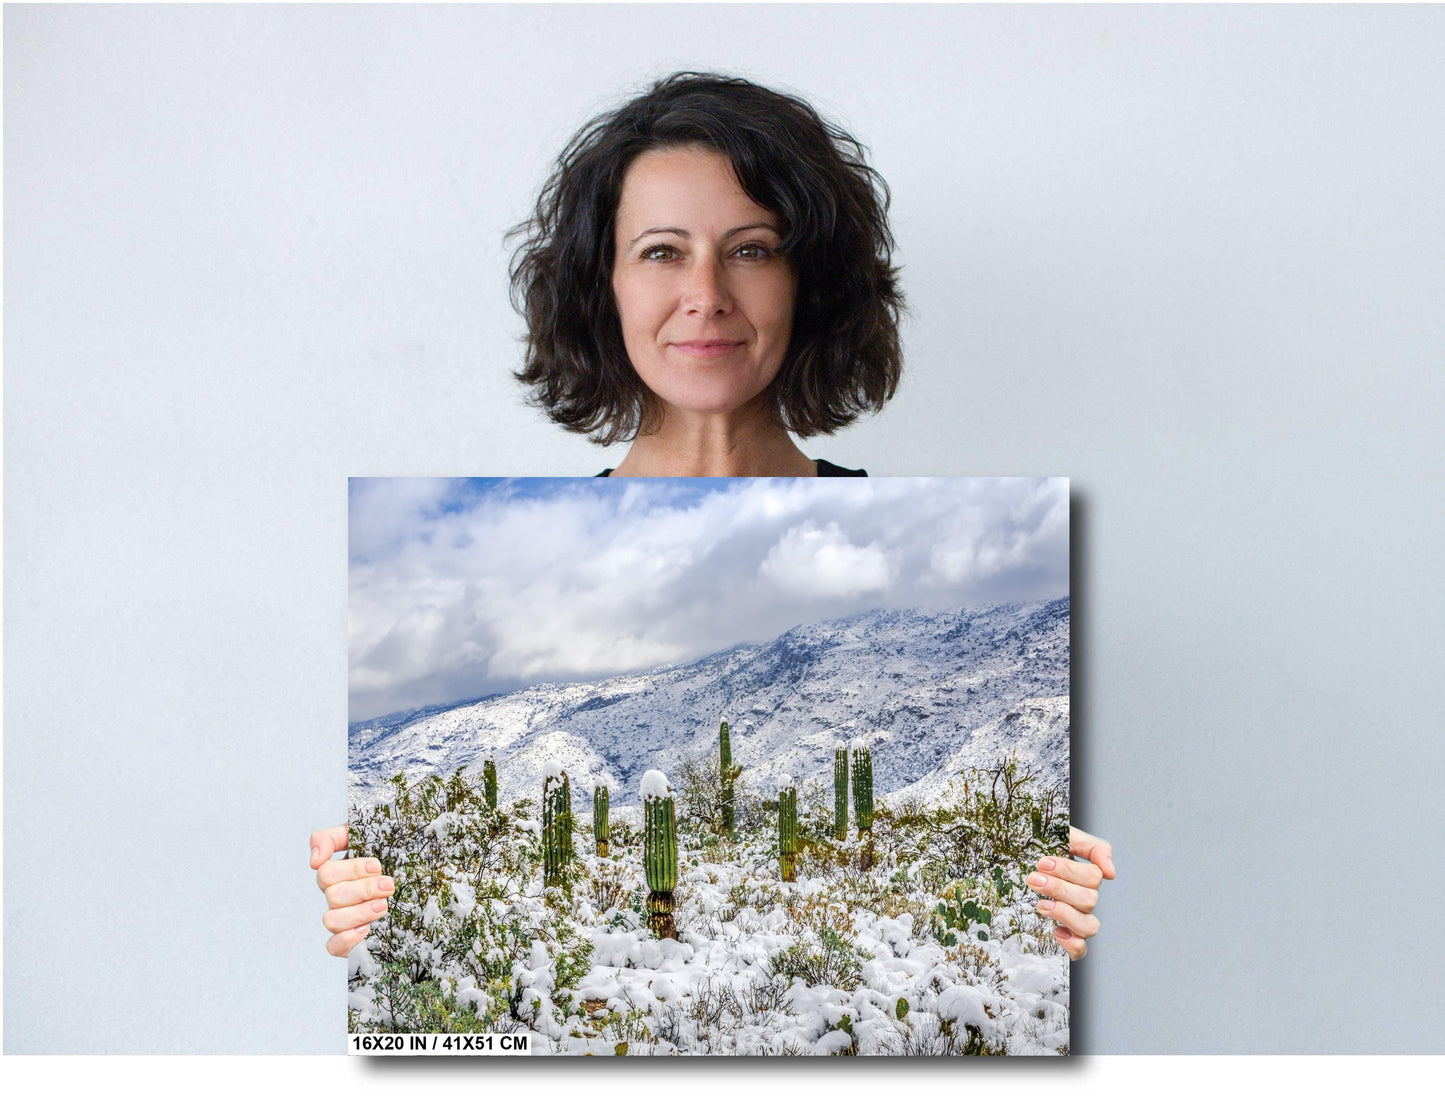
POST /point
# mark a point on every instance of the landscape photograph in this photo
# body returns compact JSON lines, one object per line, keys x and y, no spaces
{"x":711,"y":766}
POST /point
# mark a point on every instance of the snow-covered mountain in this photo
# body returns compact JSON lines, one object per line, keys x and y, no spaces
{"x":930,"y":692}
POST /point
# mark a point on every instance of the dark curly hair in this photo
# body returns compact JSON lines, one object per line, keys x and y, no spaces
{"x":844,"y":355}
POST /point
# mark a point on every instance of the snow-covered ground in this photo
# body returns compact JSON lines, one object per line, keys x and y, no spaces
{"x":759,"y":967}
{"x":844,"y":960}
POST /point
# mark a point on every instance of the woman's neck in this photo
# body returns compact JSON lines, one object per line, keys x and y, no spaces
{"x":739,"y":444}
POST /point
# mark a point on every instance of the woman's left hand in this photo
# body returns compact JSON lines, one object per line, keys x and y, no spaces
{"x":1071,"y":889}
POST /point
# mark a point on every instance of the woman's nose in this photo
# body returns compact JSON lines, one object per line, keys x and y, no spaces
{"x":707,"y":291}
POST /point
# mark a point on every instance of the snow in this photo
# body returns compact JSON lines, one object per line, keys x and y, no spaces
{"x":441,"y":826}
{"x":464,"y":897}
{"x":939,"y":687}
{"x":833,"y":1042}
{"x":946,"y":690}
{"x":655,"y":785}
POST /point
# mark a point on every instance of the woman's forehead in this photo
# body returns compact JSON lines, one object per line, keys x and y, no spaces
{"x":673,"y":187}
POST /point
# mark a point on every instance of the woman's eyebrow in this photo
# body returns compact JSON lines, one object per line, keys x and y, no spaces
{"x":682,"y":233}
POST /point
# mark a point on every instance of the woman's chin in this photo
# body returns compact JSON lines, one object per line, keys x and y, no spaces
{"x":705,"y":402}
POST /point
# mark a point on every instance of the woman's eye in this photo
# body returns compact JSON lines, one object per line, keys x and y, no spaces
{"x":659,"y":253}
{"x":754,"y":252}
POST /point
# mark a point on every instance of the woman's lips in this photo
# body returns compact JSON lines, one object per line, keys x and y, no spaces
{"x":706,"y":349}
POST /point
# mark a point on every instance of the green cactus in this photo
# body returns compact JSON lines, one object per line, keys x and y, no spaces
{"x":728,"y":775}
{"x":599,"y":819}
{"x":1037,"y":819}
{"x":900,"y":1010}
{"x":863,"y":802}
{"x":659,"y":861}
{"x":788,"y":833}
{"x":840,"y":794}
{"x":556,"y":828}
{"x":489,"y":782}
{"x":959,"y":915}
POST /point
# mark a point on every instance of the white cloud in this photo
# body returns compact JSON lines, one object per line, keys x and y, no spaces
{"x":457,"y":591}
{"x":815,"y":563}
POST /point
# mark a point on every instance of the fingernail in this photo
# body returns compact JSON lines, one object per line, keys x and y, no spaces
{"x":1046,"y":864}
{"x":1038,"y":880}
{"x":1046,"y":904}
{"x":373,"y":866}
{"x":315,"y":854}
{"x":379,"y":906}
{"x":1061,"y":933}
{"x":386,"y":884}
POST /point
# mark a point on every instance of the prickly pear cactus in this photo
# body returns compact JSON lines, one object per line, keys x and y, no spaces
{"x":600,"y":830}
{"x":840,"y":794}
{"x":659,"y":852}
{"x":788,"y":830}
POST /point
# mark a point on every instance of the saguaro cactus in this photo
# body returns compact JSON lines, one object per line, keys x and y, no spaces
{"x":788,"y":829}
{"x":599,"y":818}
{"x":659,"y":852}
{"x":489,"y":782}
{"x":725,"y":770}
{"x":840,"y":794}
{"x":863,"y":799}
{"x":556,"y":823}
{"x":569,"y":847}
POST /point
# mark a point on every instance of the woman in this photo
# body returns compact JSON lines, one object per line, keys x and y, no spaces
{"x":705,"y":276}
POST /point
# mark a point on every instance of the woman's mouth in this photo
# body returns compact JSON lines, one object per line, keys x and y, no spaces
{"x":706,"y":348}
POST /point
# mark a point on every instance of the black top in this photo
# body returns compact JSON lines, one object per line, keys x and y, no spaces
{"x":825,"y":470}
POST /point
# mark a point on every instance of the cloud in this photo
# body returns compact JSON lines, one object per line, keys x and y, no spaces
{"x":461,"y":588}
{"x":815,"y":563}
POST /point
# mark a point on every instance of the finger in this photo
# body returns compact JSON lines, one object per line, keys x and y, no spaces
{"x":1082,"y":899}
{"x":326,"y":842}
{"x":349,"y":892}
{"x":1074,"y":870}
{"x":338,"y":870}
{"x":342,"y":944}
{"x":1084,"y":925}
{"x":1071,"y":942}
{"x":1092,"y":849}
{"x":343,"y":918}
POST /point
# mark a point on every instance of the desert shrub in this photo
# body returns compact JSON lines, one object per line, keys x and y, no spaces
{"x":822,"y":958}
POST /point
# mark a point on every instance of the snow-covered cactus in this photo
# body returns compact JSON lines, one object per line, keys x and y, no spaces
{"x":489,"y":782}
{"x":788,"y":829}
{"x":556,"y":823}
{"x":863,"y":786}
{"x":599,"y":818}
{"x":863,"y":799}
{"x":840,"y":794}
{"x":725,"y":770}
{"x":659,"y":852}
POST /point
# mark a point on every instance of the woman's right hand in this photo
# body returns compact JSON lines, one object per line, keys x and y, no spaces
{"x":355,"y":889}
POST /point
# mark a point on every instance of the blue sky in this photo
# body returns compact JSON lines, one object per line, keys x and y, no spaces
{"x":465,"y":587}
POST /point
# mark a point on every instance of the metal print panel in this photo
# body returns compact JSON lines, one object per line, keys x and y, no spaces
{"x":712,"y":766}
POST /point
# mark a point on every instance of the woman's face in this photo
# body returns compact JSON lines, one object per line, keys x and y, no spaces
{"x":705,"y":300}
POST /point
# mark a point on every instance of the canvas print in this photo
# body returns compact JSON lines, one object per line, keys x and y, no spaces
{"x":711,"y":766}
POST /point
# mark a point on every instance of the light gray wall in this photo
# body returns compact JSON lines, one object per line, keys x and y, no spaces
{"x":1193,"y":258}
